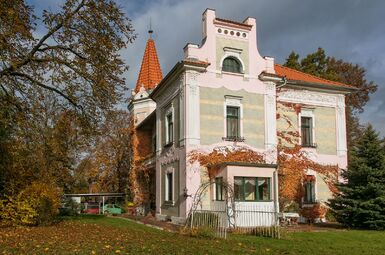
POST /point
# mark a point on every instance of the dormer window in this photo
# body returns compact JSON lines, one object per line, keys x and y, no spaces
{"x":231,"y":64}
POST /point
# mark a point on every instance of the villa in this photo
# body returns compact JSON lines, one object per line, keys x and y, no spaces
{"x":224,"y":98}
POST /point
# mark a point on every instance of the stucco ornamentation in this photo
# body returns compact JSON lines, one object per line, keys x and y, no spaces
{"x":169,"y":156}
{"x":192,"y":82}
{"x":181,"y":86}
{"x":307,"y":97}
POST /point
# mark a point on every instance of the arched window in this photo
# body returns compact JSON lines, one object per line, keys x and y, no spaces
{"x":231,"y":64}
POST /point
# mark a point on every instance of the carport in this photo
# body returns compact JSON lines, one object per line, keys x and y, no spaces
{"x":100,"y":197}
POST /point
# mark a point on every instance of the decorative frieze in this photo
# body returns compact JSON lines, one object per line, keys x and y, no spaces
{"x":169,"y":156}
{"x":307,"y":97}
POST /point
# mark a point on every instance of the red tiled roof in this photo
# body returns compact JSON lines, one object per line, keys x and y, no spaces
{"x":150,"y":73}
{"x":294,"y":75}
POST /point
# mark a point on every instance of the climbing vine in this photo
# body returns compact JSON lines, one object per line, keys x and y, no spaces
{"x":224,"y":154}
{"x":140,"y":173}
{"x":293,"y":162}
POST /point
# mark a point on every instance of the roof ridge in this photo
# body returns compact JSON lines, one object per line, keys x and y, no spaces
{"x":313,"y":76}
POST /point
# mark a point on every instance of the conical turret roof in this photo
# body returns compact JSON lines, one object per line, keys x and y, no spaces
{"x":150,"y":73}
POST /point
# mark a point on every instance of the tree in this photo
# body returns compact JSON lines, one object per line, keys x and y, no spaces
{"x":321,"y":65}
{"x":361,"y":201}
{"x":106,"y":167}
{"x":293,"y":61}
{"x":315,"y":63}
{"x":77,"y":56}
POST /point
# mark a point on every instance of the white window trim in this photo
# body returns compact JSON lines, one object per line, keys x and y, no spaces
{"x":235,"y":102}
{"x":169,"y":111}
{"x":172,"y":171}
{"x":235,"y":53}
{"x":307,"y":113}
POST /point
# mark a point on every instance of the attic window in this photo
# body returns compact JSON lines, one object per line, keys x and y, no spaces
{"x":231,"y":64}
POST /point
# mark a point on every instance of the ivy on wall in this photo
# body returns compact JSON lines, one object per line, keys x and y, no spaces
{"x":293,"y":162}
{"x":140,"y":173}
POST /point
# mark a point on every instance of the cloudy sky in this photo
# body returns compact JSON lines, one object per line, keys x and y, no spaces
{"x":353,"y":30}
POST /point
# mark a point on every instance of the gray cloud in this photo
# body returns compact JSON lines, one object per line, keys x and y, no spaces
{"x":350,"y":30}
{"x":353,"y":30}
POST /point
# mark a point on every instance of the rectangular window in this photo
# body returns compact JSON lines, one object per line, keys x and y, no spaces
{"x":170,"y":128}
{"x":169,"y":187}
{"x":309,"y":186}
{"x":252,"y":188}
{"x":238,"y":188}
{"x":263,"y":188}
{"x":249,"y":189}
{"x":232,"y":122}
{"x":307,"y":131}
{"x":219,"y":191}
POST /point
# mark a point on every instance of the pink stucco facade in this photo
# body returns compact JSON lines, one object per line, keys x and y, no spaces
{"x":196,"y":93}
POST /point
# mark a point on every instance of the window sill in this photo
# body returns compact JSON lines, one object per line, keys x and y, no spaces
{"x":309,"y":204}
{"x":233,"y":73}
{"x":233,"y":139}
{"x":311,"y":145}
{"x":168,"y":144}
{"x":169,"y":203}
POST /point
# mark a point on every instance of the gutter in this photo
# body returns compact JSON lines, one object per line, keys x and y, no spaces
{"x":273,"y":77}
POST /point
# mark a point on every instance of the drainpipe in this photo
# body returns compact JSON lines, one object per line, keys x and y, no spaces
{"x":276,"y":202}
{"x":276,"y":191}
{"x":284,"y":82}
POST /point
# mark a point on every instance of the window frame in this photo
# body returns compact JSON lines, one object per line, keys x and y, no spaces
{"x":243,"y":198}
{"x":169,"y":190}
{"x":308,"y":113}
{"x":236,"y":60}
{"x":238,"y":122}
{"x":236,"y":54}
{"x":233,"y":101}
{"x":219,"y":194}
{"x":313,"y":196}
{"x":169,"y":126}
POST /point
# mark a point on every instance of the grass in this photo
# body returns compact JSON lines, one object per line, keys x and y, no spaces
{"x":105,"y":235}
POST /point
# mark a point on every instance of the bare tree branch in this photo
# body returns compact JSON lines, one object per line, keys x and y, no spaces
{"x":30,"y":55}
{"x":61,"y":47}
{"x":40,"y":84}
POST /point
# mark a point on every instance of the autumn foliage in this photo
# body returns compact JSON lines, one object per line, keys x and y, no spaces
{"x":221,"y":155}
{"x":140,"y":173}
{"x":293,"y":162}
{"x":35,"y":205}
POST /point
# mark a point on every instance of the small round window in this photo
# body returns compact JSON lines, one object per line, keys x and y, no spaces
{"x":231,"y":64}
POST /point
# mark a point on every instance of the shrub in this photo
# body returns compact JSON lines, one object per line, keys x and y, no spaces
{"x":35,"y":205}
{"x":330,"y":217}
{"x":317,"y":211}
{"x":70,"y":208}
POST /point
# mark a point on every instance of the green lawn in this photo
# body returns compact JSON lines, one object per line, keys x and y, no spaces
{"x":102,"y":235}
